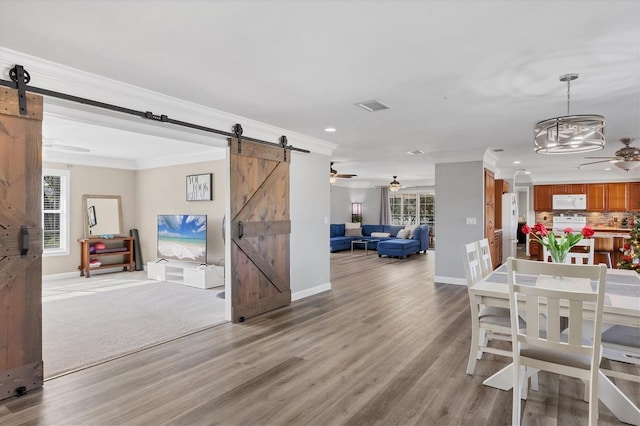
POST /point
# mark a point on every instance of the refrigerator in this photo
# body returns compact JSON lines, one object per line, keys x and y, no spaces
{"x":509,"y":225}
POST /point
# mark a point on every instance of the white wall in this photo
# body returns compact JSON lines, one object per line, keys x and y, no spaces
{"x":459,"y":195}
{"x":342,"y":197}
{"x":309,"y":210}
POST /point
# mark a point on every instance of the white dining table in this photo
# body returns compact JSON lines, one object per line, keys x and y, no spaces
{"x":621,"y":306}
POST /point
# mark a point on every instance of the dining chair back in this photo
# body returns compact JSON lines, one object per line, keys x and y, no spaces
{"x":555,"y":291}
{"x":582,"y":253}
{"x":484,"y":252}
{"x":487,"y":322}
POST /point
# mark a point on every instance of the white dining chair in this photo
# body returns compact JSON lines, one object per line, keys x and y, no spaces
{"x":582,"y":253}
{"x":484,"y":253}
{"x":565,"y":353}
{"x":487,"y":322}
{"x":621,"y":343}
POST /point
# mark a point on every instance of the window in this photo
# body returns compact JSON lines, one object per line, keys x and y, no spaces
{"x":405,"y":209}
{"x":55,"y":212}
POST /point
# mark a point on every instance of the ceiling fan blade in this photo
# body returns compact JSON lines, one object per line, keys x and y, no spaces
{"x":601,"y":161}
{"x":611,"y":158}
{"x":60,"y":147}
{"x":345,"y":175}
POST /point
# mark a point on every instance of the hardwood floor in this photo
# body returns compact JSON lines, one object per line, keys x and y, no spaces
{"x":385,"y":346}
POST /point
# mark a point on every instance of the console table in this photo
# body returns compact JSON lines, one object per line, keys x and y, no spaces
{"x":117,"y":246}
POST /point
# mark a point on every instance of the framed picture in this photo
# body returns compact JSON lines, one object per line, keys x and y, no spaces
{"x":91,"y":212}
{"x":199,"y":187}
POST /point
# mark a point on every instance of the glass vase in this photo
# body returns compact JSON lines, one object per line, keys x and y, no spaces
{"x":558,"y":256}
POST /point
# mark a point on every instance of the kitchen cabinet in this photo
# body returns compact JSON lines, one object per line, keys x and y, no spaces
{"x":618,"y":197}
{"x":498,"y":242}
{"x":543,"y":197}
{"x":489,"y":213}
{"x":597,"y":197}
{"x":634,"y":196}
{"x":535,"y":250}
{"x":502,"y":187}
{"x":573,"y":188}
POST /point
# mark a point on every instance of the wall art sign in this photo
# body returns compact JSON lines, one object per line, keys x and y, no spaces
{"x":199,"y":187}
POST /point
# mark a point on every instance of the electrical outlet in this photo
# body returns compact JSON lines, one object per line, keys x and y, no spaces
{"x":471,"y":221}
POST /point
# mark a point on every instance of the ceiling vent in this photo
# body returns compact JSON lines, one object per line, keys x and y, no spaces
{"x":373,"y":106}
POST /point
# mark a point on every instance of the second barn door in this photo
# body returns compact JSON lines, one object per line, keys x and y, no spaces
{"x":260,"y":228}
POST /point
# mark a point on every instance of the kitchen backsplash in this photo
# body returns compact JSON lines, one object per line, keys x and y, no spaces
{"x":595,"y":219}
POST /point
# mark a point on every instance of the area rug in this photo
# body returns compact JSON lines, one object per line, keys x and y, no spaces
{"x":88,"y":321}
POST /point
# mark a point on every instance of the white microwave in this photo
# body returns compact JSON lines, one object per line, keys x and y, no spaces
{"x":570,"y":202}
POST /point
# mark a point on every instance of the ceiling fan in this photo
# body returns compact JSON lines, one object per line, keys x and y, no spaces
{"x":334,"y":175}
{"x":626,"y":158}
{"x":53,"y":144}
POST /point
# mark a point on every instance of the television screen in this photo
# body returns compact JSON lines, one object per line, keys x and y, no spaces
{"x":182,"y":237}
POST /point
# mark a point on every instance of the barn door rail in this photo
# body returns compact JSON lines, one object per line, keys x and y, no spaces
{"x":20,"y":79}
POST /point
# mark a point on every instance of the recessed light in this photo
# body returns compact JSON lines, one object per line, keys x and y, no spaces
{"x":607,"y":168}
{"x":416,"y":152}
{"x":517,"y":162}
{"x":330,"y":129}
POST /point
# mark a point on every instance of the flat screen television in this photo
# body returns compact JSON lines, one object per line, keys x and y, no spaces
{"x":182,"y":237}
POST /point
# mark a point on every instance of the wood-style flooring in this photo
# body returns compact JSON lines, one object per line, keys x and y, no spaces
{"x":385,"y":346}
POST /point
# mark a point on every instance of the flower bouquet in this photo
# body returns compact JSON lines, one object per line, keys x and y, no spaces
{"x":558,"y":246}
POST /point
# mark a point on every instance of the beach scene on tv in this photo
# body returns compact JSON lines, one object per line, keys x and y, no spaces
{"x":182,"y":237}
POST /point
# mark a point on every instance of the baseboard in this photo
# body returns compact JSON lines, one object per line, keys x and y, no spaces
{"x":310,"y":291}
{"x":450,"y":280}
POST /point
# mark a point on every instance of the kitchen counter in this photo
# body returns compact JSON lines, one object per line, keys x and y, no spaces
{"x":611,"y":235}
{"x":610,"y":229}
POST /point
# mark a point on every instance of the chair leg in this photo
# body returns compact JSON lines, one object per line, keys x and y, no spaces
{"x":483,"y":340}
{"x":585,"y":394}
{"x":517,"y":388}
{"x":474,"y":354}
{"x":534,"y":381}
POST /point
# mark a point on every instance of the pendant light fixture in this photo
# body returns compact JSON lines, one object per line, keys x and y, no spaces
{"x":394,"y":186}
{"x":569,"y":134}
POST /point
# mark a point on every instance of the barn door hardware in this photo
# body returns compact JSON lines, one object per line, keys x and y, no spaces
{"x":24,"y":241}
{"x":20,"y":78}
{"x":283,"y":144}
{"x":237,"y":130}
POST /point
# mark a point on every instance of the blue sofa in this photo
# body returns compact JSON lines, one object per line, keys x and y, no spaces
{"x":391,"y":246}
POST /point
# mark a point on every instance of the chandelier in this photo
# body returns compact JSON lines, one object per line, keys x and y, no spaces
{"x":394,"y":186}
{"x":569,"y":134}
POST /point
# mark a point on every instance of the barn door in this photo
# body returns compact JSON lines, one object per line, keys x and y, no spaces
{"x":20,"y":244}
{"x":260,"y":228}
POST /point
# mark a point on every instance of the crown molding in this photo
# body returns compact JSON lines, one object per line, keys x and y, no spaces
{"x":61,"y":78}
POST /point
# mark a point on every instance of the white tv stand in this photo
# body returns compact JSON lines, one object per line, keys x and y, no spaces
{"x":191,"y":274}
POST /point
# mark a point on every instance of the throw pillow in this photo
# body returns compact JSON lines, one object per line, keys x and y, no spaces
{"x":353,"y":232}
{"x":380,"y":234}
{"x":352,"y":225}
{"x":403,"y":233}
{"x":410,"y":228}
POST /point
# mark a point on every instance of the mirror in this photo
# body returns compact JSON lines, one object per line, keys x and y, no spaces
{"x":102,"y":215}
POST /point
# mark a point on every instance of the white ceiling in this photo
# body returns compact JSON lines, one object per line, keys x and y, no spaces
{"x":461,"y":76}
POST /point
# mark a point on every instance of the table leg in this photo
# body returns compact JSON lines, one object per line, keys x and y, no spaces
{"x":616,"y":401}
{"x":608,"y":393}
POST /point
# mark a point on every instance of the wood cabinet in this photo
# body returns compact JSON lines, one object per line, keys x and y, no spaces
{"x":573,"y":188}
{"x":597,"y":197}
{"x":118,"y":246}
{"x":618,"y":197}
{"x":489,"y":212}
{"x":535,"y":250}
{"x":543,"y":197}
{"x":498,"y":243}
{"x":634,"y":196}
{"x":502,"y":187}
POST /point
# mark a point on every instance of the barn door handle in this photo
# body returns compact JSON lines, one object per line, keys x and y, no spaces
{"x":24,"y":237}
{"x":240,"y":230}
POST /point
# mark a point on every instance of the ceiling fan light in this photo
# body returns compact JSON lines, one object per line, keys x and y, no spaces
{"x":394,"y":186}
{"x":333,"y":179}
{"x":627,"y":164}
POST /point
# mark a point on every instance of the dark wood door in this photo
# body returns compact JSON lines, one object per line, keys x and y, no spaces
{"x":260,"y":228}
{"x":20,"y":244}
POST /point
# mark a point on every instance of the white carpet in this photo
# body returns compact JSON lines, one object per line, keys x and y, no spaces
{"x":89,"y":320}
